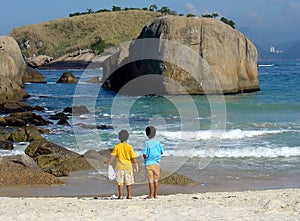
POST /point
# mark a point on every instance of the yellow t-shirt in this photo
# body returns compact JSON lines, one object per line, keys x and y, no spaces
{"x":124,"y":153}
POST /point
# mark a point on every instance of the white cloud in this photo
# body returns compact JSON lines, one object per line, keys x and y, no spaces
{"x":191,"y":8}
{"x":256,"y":18}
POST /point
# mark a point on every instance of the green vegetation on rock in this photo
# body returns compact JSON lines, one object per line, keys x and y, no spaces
{"x":90,"y":31}
{"x":58,"y":37}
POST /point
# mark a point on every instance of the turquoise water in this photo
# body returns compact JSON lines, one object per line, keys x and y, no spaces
{"x":261,"y":127}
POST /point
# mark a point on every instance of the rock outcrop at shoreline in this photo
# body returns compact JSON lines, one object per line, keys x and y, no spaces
{"x":76,"y":60}
{"x":14,"y":72}
{"x":60,"y":161}
{"x":22,"y":170}
{"x":20,"y":125}
{"x":219,"y":58}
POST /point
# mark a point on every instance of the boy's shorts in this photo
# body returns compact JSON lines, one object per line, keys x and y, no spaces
{"x":124,"y":177}
{"x":153,"y":172}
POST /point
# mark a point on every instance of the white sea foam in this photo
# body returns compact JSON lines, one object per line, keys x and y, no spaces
{"x":106,"y":115}
{"x":19,"y":148}
{"x":255,"y":152}
{"x":207,"y":134}
{"x":265,"y":65}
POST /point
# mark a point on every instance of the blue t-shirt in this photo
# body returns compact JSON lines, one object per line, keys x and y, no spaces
{"x":153,"y":150}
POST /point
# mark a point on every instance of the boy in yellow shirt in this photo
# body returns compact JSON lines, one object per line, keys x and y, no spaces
{"x":125,"y":156}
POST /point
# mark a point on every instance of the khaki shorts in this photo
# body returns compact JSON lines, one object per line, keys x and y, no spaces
{"x":124,"y":177}
{"x":153,"y":172}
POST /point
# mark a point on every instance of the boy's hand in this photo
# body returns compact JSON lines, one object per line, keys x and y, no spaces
{"x":136,"y":168}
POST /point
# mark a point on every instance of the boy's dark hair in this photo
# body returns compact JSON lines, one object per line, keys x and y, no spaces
{"x":123,"y":135}
{"x":150,"y":132}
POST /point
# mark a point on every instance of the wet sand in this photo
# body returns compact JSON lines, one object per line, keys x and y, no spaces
{"x":217,"y":177}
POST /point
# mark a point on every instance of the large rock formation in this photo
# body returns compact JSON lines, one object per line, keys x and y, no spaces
{"x":13,"y":71}
{"x":218,"y":59}
{"x":12,"y":68}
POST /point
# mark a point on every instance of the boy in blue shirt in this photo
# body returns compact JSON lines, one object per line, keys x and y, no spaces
{"x":152,"y":152}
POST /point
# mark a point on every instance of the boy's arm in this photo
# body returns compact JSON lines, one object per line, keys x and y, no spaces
{"x":136,"y":165}
{"x":111,"y":159}
{"x":161,"y":148}
{"x":144,"y":150}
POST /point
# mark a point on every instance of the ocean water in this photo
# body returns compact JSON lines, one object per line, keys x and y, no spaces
{"x":251,"y":133}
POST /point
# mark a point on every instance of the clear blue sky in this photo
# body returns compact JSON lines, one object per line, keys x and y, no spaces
{"x":275,"y":20}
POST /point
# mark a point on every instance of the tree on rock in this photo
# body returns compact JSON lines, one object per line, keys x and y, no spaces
{"x":153,"y":8}
{"x":228,"y":22}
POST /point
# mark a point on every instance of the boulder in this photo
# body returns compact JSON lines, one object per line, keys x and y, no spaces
{"x":6,"y":145}
{"x":59,"y":116}
{"x":68,"y":78}
{"x":12,"y":121}
{"x":25,"y":134}
{"x":22,"y":159}
{"x":12,"y":64}
{"x":71,"y":165}
{"x":98,"y":159}
{"x":94,"y":80}
{"x":11,"y":107}
{"x":15,"y":173}
{"x":42,"y":147}
{"x":37,"y":61}
{"x":104,"y":127}
{"x":76,"y":110}
{"x":90,"y":160}
{"x":32,"y":133}
{"x":61,"y":166}
{"x":2,"y":133}
{"x":24,"y":118}
{"x":60,"y":161}
{"x":46,"y":161}
{"x":180,"y":55}
{"x":12,"y":69}
{"x":59,"y":171}
{"x":166,"y":178}
{"x":33,"y":76}
{"x":106,"y":152}
{"x":93,"y":127}
{"x":18,"y":135}
{"x":9,"y":90}
{"x":176,"y":179}
{"x":63,"y":122}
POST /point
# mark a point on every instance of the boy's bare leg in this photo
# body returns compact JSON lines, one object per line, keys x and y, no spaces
{"x":120,"y":189}
{"x":151,"y":189}
{"x":129,"y":188}
{"x":155,"y":191}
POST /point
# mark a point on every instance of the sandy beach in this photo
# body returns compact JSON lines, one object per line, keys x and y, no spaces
{"x":283,"y":204}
